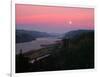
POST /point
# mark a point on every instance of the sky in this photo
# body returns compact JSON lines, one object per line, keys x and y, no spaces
{"x":53,"y":19}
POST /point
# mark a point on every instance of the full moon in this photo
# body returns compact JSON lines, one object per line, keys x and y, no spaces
{"x":70,"y":22}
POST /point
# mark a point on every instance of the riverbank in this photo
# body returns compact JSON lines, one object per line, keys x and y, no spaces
{"x":35,"y":44}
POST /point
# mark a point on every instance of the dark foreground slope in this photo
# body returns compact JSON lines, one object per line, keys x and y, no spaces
{"x":76,"y":53}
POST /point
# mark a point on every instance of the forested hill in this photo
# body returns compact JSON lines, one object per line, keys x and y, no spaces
{"x":26,"y":36}
{"x":76,"y":33}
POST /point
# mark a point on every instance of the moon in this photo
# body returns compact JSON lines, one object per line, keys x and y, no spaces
{"x":70,"y":22}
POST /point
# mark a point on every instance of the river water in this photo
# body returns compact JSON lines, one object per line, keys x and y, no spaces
{"x":35,"y":44}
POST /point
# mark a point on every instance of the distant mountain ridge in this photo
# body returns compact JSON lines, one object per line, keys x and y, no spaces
{"x":26,"y":36}
{"x":76,"y":33}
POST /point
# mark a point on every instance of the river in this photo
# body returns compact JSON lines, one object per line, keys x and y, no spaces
{"x":35,"y":44}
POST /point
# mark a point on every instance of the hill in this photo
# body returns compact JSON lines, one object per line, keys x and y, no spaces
{"x":26,"y":36}
{"x":74,"y":53}
{"x":75,"y":33}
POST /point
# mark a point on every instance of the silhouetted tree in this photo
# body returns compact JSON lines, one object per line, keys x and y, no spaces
{"x":22,"y":62}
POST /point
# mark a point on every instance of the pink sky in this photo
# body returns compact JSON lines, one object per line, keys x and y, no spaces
{"x":53,"y":19}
